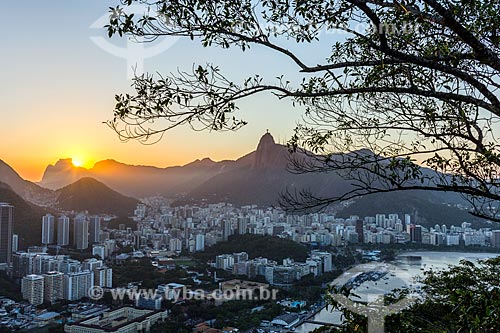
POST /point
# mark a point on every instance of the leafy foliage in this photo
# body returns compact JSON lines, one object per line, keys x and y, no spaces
{"x":126,"y":221}
{"x":143,"y":271}
{"x":237,"y":314}
{"x":9,"y":288}
{"x":417,"y":86}
{"x":273,"y":248}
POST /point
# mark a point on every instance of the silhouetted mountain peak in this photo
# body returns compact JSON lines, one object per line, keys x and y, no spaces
{"x":364,"y":152}
{"x":269,"y":154}
{"x":89,"y":194}
{"x":62,"y":173}
{"x":266,"y":141}
{"x":206,"y":162}
{"x":27,"y":190}
{"x":87,"y":181}
{"x":109,"y":161}
{"x":64,"y":163}
{"x":7,"y":172}
{"x":106,"y":164}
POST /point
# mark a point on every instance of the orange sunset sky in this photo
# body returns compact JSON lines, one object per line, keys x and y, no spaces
{"x":58,"y":87}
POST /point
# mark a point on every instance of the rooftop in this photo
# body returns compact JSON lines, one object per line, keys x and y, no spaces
{"x":47,"y":316}
{"x":288,"y":318}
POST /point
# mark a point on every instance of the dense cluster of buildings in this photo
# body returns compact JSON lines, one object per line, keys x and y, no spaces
{"x":17,"y":316}
{"x":164,"y":231}
{"x":120,"y":320}
{"x":193,"y":228}
{"x":86,"y":231}
{"x":49,"y":278}
{"x":390,"y":229}
{"x":46,"y":278}
{"x":282,"y":275}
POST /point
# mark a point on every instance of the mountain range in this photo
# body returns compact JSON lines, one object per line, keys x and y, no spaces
{"x":26,"y":189}
{"x":255,"y":178}
{"x":84,"y":194}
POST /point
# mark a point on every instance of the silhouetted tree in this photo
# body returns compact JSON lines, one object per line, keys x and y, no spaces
{"x":417,"y":87}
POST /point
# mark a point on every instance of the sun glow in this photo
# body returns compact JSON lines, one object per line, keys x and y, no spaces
{"x":77,"y":162}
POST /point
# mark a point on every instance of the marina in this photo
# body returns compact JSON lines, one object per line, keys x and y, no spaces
{"x":372,"y":280}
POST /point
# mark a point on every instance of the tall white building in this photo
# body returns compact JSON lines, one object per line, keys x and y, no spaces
{"x":327,"y":259}
{"x":474,"y":238}
{"x":380,"y":219}
{"x":140,"y":211}
{"x":175,"y":245}
{"x":95,"y":229}
{"x":63,"y":231}
{"x":53,"y":286}
{"x":32,"y":288}
{"x":103,"y":277}
{"x":92,"y":264}
{"x":99,"y":250}
{"x":226,"y":229}
{"x":224,"y":261}
{"x":81,"y":232}
{"x":69,"y":266}
{"x":15,"y":243}
{"x":110,"y":247}
{"x":200,"y":243}
{"x":77,"y":285}
{"x":6,"y":222}
{"x":452,"y":240}
{"x":48,"y":228}
{"x":242,"y":225}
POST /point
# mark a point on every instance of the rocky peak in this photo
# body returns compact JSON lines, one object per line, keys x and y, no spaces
{"x":268,"y":153}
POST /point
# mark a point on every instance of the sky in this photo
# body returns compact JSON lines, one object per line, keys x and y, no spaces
{"x":58,"y":86}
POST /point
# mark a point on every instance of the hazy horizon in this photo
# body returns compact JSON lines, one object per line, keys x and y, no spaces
{"x":56,"y":110}
{"x":89,"y":164}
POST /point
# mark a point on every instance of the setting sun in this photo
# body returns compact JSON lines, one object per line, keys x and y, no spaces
{"x":77,"y":162}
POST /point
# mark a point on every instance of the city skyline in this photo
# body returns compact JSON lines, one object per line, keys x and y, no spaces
{"x":250,"y":166}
